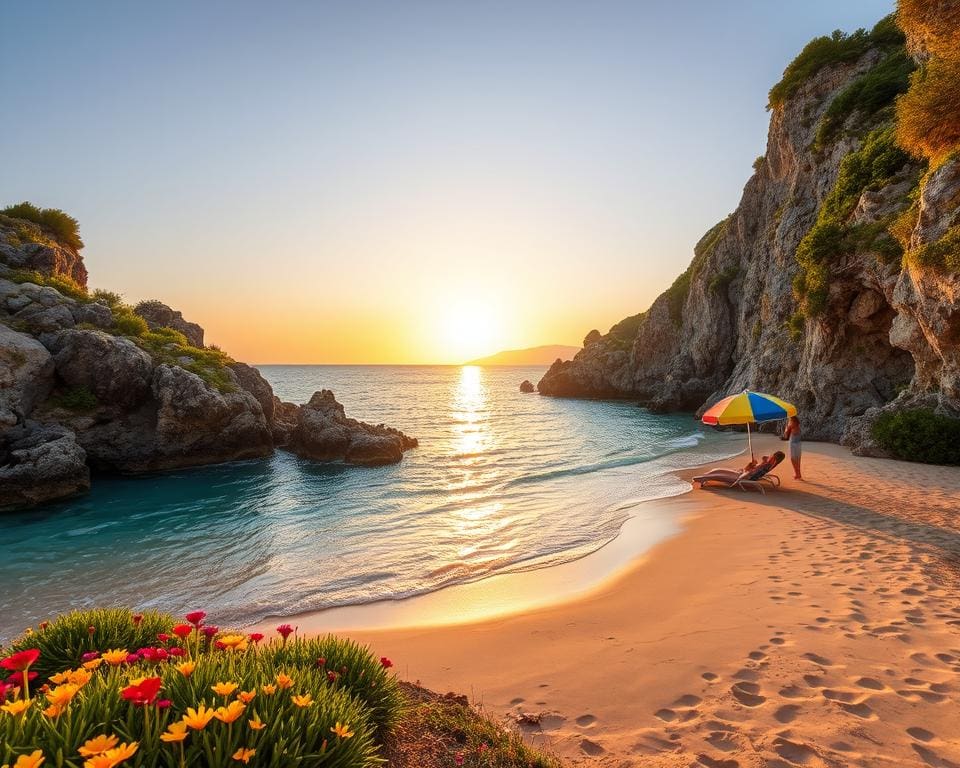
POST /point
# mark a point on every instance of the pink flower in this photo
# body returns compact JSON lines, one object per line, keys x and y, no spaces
{"x":196,"y":617}
{"x":284,"y":630}
{"x":154,"y":655}
{"x":18,"y":662}
{"x":133,"y":658}
{"x":458,"y":758}
{"x":17,"y":678}
{"x":176,"y":650}
{"x":385,"y":662}
{"x":210,"y":631}
{"x":163,"y":703}
{"x":256,"y":637}
{"x":90,"y":656}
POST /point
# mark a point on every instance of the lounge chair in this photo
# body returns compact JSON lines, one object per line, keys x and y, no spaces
{"x":758,"y":478}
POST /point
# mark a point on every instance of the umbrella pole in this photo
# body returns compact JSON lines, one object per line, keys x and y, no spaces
{"x":750,"y":441}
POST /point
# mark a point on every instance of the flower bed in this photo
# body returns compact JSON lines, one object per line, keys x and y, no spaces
{"x":100,"y":689}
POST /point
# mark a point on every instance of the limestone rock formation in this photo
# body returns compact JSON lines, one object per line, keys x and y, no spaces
{"x":26,"y":375}
{"x":886,"y":333}
{"x":159,"y":315}
{"x":40,"y":463}
{"x":526,"y":386}
{"x":26,"y":246}
{"x":323,"y":432}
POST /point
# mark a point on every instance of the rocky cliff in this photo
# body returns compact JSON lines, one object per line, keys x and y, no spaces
{"x":811,"y":288}
{"x":87,"y":382}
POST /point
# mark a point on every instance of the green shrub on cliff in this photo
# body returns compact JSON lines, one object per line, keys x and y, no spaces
{"x":942,"y":255}
{"x":870,"y":96}
{"x":62,"y":226}
{"x":66,"y":285}
{"x":79,"y":399}
{"x":838,"y":48}
{"x":126,"y":323}
{"x":919,"y":435}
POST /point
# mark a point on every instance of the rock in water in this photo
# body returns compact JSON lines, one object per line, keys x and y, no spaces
{"x":323,"y":432}
{"x":40,"y":463}
{"x":526,"y":386}
{"x":159,"y":315}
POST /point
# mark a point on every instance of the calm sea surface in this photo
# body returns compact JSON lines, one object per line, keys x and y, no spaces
{"x":501,"y":481}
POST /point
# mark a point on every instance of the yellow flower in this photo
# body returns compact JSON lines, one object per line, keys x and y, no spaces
{"x":234,"y":642}
{"x":229,"y":713}
{"x":243,"y":754}
{"x":224,"y":689}
{"x":302,"y":701}
{"x":114,"y":658}
{"x":256,"y":724}
{"x":268,"y":690}
{"x":33,"y":760}
{"x":175,"y":732}
{"x":198,"y":718}
{"x":97,"y":745}
{"x":62,"y":694}
{"x":186,"y":668}
{"x":284,"y":681}
{"x":79,"y":677}
{"x":112,"y":757}
{"x":246,"y":696}
{"x":17,"y":707}
{"x":93,"y":663}
{"x":60,"y":677}
{"x":54,"y":710}
{"x":343,"y":731}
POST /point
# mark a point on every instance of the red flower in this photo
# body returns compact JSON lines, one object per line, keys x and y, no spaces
{"x":144,"y":693}
{"x":196,"y":618}
{"x":219,"y":646}
{"x":163,"y":637}
{"x":458,"y":758}
{"x":176,"y":650}
{"x":210,"y":631}
{"x":137,"y":618}
{"x":182,"y":630}
{"x":133,"y":658}
{"x":44,"y":625}
{"x":321,"y":662}
{"x":17,"y":678}
{"x":154,"y":655}
{"x":18,"y":662}
{"x":163,"y":703}
{"x":256,"y":637}
{"x":385,"y":662}
{"x":91,"y":629}
{"x":332,"y":677}
{"x":90,"y":656}
{"x":284,"y":630}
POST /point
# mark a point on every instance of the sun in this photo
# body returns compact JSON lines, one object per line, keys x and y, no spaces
{"x":471,"y":328}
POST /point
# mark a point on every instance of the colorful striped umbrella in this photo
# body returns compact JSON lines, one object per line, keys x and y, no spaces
{"x":748,"y":408}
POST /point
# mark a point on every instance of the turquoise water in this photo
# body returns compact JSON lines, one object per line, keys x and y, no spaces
{"x":501,"y":481}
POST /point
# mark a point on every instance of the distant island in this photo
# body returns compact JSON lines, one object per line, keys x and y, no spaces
{"x":545,"y":355}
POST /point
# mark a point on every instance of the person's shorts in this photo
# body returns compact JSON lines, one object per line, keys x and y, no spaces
{"x":795,"y":451}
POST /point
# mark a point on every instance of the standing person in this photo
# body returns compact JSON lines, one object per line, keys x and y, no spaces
{"x":792,"y":433}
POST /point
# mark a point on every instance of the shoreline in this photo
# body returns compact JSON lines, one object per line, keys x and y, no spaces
{"x":816,"y":625}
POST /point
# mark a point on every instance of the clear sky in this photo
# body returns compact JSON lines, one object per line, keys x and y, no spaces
{"x":393,"y":181}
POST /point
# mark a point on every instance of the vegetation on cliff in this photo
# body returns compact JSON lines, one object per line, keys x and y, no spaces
{"x":58,"y":224}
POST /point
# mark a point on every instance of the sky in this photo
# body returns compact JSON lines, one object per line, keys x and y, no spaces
{"x":393,"y":182}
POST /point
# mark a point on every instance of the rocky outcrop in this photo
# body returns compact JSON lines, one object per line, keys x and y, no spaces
{"x":526,"y":386}
{"x":76,"y":395}
{"x":26,"y":246}
{"x":40,"y":463}
{"x":159,"y":315}
{"x":887,"y":334}
{"x":323,"y":432}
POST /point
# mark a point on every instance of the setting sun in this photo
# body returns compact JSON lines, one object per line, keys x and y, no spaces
{"x":470,"y":328}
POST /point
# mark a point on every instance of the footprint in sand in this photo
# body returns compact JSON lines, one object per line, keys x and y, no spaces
{"x":591,"y":747}
{"x":748,"y":694}
{"x":860,"y":710}
{"x":920,"y":734}
{"x":869,"y":682}
{"x":518,"y":700}
{"x":687,"y":700}
{"x":711,"y":762}
{"x":796,"y":752}
{"x":757,"y":655}
{"x":710,"y":677}
{"x":818,"y":659}
{"x":723,"y":741}
{"x":786,"y":714}
{"x":584,"y":720}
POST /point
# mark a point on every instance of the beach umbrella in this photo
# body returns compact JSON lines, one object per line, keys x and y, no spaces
{"x":748,"y":408}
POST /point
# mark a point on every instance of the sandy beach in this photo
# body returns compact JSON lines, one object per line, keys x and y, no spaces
{"x":817,"y":625}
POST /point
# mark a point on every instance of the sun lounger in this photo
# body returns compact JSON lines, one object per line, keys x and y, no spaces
{"x":758,"y":478}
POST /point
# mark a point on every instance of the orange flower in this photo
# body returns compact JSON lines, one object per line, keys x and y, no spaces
{"x":284,"y":681}
{"x":233,"y":642}
{"x":33,"y":760}
{"x":186,"y":668}
{"x":198,"y":718}
{"x":243,"y":754}
{"x":268,"y":690}
{"x":343,"y":731}
{"x":247,"y":696}
{"x":112,"y":757}
{"x":302,"y":701}
{"x":54,"y":710}
{"x":114,"y":657}
{"x":93,"y":663}
{"x":98,"y":744}
{"x":229,"y":713}
{"x":224,"y":689}
{"x":256,"y":724}
{"x":175,"y":732}
{"x":17,"y":707}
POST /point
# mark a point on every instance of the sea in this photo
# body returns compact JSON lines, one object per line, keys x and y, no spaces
{"x":502,"y":481}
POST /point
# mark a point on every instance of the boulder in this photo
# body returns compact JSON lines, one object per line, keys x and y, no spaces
{"x":40,"y":318}
{"x":26,"y":375}
{"x":95,"y":314}
{"x":251,"y":381}
{"x":526,"y":386}
{"x":113,"y":368}
{"x":323,"y":432}
{"x":40,"y":463}
{"x":159,"y":315}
